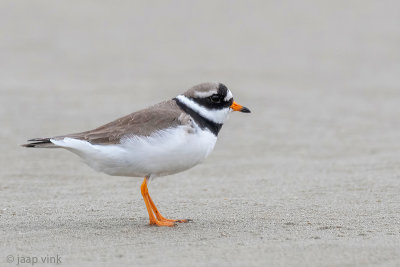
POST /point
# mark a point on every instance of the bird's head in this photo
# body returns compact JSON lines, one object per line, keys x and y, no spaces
{"x":213,"y":101}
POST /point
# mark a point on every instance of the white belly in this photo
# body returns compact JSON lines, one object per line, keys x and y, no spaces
{"x":163,"y":153}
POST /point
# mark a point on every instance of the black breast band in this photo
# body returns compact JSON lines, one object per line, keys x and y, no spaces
{"x":200,"y":120}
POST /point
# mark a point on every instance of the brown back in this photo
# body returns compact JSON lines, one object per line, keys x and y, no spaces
{"x":143,"y":123}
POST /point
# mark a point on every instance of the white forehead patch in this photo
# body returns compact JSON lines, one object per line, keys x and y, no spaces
{"x":228,"y":96}
{"x":205,"y":94}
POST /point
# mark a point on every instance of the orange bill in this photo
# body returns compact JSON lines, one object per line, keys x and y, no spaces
{"x":236,"y":107}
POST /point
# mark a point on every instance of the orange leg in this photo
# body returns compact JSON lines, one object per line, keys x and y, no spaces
{"x":152,"y":209}
{"x":159,"y":216}
{"x":153,"y":220}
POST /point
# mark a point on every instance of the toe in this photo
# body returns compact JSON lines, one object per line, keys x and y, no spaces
{"x":184,"y":221}
{"x":165,"y":223}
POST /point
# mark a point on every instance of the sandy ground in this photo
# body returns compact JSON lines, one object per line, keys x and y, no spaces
{"x":310,"y":178}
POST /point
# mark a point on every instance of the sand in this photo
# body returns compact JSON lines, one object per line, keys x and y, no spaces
{"x":309,"y":178}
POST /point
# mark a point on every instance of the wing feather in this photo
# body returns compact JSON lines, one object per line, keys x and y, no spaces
{"x":143,"y":122}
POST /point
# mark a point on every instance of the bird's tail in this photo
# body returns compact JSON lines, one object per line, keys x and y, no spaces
{"x":40,"y":143}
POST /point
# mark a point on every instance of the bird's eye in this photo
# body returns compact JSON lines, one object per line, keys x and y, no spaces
{"x":215,"y":99}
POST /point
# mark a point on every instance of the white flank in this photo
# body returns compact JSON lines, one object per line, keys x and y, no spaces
{"x":165,"y":152}
{"x":215,"y":115}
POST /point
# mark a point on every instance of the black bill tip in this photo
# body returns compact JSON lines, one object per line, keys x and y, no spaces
{"x":245,"y":110}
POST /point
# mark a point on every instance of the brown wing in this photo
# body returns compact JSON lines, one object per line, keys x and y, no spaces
{"x":143,"y":122}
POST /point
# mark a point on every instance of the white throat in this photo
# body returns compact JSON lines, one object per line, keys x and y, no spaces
{"x":214,"y":115}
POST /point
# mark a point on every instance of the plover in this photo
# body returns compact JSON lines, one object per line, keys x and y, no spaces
{"x":167,"y":138}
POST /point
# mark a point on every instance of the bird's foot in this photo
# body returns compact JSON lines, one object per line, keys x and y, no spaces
{"x":177,"y":221}
{"x":162,"y":218}
{"x":168,"y":222}
{"x":162,"y":223}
